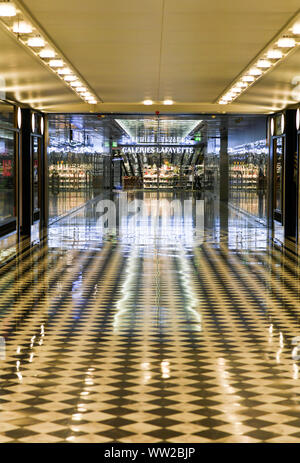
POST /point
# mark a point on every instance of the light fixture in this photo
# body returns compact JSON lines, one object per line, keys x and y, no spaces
{"x":47,"y":53}
{"x":70,"y":78}
{"x":242,"y":84}
{"x":76,"y":84}
{"x":298,"y":119}
{"x":22,"y":27}
{"x":19,"y":117}
{"x":282,"y":45}
{"x":227,"y":97}
{"x":56,"y":63}
{"x":286,"y":42}
{"x":168,"y":102}
{"x":64,"y":71}
{"x":274,"y":54}
{"x":236,"y":89}
{"x":36,"y":42}
{"x":282,"y":123}
{"x":80,"y":89}
{"x":33,"y":122}
{"x":272,"y":126}
{"x":147,"y":102}
{"x":222,"y":102}
{"x":296,"y":29}
{"x":263,"y":63}
{"x":17,"y":21}
{"x":248,"y":79}
{"x":42,"y":126}
{"x":255,"y":72}
{"x":7,"y":10}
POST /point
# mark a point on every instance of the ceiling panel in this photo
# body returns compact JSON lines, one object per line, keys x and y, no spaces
{"x":279,"y":88}
{"x":23,"y":78}
{"x":117,"y":45}
{"x":129,"y":50}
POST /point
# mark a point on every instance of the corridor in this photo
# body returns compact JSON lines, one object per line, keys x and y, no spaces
{"x":155,"y":331}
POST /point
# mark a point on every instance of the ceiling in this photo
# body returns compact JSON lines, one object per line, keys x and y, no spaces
{"x":179,"y":126}
{"x":146,"y":128}
{"x":130,"y":50}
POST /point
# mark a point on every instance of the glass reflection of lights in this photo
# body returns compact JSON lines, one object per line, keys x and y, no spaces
{"x":229,"y":392}
{"x":295,"y":371}
{"x":192,"y":301}
{"x":146,"y":372}
{"x":127,"y":290}
{"x":165,"y":369}
{"x":2,"y":348}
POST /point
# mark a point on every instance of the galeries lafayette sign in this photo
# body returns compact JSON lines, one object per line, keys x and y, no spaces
{"x":157,"y":149}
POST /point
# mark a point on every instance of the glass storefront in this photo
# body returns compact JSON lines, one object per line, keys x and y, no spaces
{"x":7,"y":163}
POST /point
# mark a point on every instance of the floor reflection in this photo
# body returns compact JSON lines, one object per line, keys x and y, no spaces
{"x":158,"y":328}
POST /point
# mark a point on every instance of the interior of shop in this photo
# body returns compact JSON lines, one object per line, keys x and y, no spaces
{"x":88,"y":154}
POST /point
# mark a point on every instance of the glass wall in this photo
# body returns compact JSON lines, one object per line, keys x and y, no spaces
{"x":7,"y":163}
{"x":248,"y":155}
{"x":79,"y":154}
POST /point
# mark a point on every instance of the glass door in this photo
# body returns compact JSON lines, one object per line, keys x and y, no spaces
{"x":278,"y":178}
{"x":298,"y":167}
{"x":278,"y":188}
{"x":36,"y":177}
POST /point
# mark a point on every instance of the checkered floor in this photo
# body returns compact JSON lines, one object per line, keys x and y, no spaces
{"x":145,"y":340}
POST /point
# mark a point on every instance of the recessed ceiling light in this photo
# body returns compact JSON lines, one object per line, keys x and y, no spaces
{"x":47,"y":53}
{"x":274,"y":54}
{"x":37,"y":42}
{"x":248,"y":78}
{"x":147,"y":102}
{"x":227,"y":97}
{"x":296,"y":29}
{"x":168,"y":102}
{"x":56,"y":63}
{"x":70,"y":78}
{"x":286,"y":42}
{"x":263,"y":63}
{"x":242,"y":84}
{"x":64,"y":71}
{"x":236,"y":90}
{"x":7,"y":9}
{"x":22,"y":27}
{"x":76,"y":84}
{"x":255,"y":72}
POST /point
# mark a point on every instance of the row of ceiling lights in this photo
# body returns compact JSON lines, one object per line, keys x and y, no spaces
{"x":280,"y":48}
{"x":165,"y":102}
{"x":31,"y":38}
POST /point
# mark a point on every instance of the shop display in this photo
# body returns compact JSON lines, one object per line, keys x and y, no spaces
{"x":164,"y":177}
{"x":132,"y":182}
{"x":65,"y":176}
{"x":244,"y":174}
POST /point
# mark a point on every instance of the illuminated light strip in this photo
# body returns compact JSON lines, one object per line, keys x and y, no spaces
{"x":36,"y":40}
{"x":286,"y":41}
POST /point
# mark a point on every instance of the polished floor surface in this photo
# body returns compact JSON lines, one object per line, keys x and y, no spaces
{"x":154,"y":331}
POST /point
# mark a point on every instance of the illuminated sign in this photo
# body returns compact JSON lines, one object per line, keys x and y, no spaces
{"x":157,"y":150}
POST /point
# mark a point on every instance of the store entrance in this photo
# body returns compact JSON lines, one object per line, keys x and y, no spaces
{"x":277,"y":190}
{"x":180,"y":169}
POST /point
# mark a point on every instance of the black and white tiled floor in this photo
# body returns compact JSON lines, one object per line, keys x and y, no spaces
{"x":139,"y":338}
